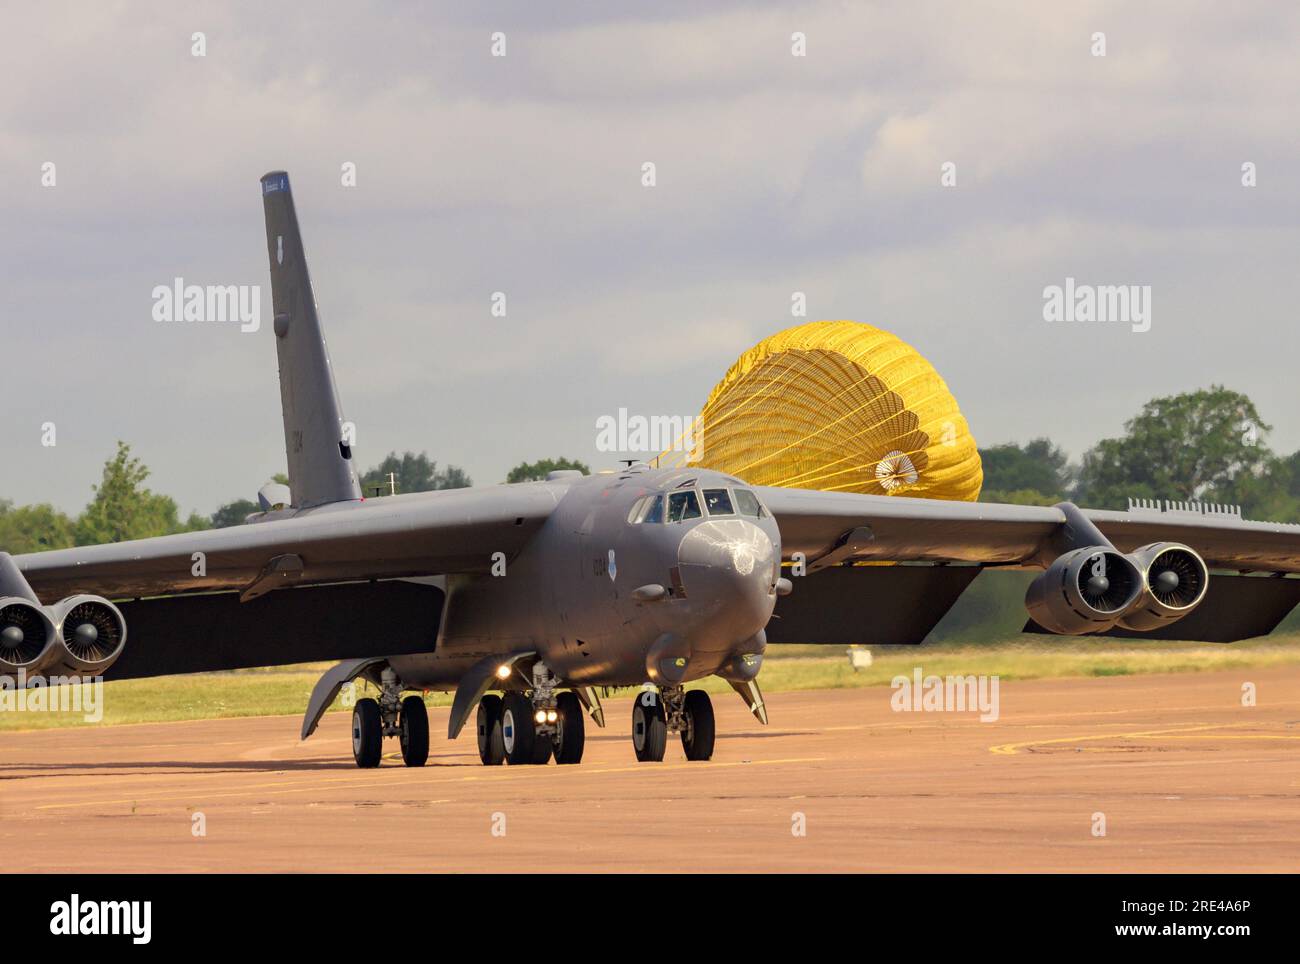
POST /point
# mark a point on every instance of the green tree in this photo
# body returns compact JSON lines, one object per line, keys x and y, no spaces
{"x":1273,"y":495}
{"x":233,"y":513}
{"x":453,"y":477}
{"x":1020,"y":497}
{"x":1206,"y":444}
{"x":1036,"y":473}
{"x":124,"y":509}
{"x":34,"y":528}
{"x":412,"y":473}
{"x":536,"y":471}
{"x":1289,"y":474}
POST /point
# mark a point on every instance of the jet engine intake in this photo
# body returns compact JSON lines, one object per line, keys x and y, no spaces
{"x":27,"y":637}
{"x":1084,"y":591}
{"x":1174,"y":581}
{"x":91,"y":636}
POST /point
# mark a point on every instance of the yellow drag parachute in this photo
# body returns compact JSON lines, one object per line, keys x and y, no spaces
{"x":842,"y":406}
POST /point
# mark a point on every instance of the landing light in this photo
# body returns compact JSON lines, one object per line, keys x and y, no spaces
{"x":503,"y":671}
{"x":552,"y":716}
{"x":541,"y":716}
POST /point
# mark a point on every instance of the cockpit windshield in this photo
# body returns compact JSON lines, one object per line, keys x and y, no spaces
{"x":718,"y":502}
{"x":683,"y":505}
{"x":748,"y":504}
{"x":654,"y":511}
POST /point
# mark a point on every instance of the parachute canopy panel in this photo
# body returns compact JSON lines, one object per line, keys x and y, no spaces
{"x":843,"y":406}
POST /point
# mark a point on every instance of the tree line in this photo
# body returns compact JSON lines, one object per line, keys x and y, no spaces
{"x":122,"y":508}
{"x":1208,"y":444}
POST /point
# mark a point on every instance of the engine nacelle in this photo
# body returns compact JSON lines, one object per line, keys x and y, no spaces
{"x":28,"y":637}
{"x":1174,"y":581}
{"x":91,"y":636}
{"x":1084,"y":591}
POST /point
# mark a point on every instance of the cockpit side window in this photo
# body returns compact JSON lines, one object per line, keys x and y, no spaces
{"x":718,"y":502}
{"x":654,"y":511}
{"x":638,"y":507}
{"x":748,"y":504}
{"x":683,"y":505}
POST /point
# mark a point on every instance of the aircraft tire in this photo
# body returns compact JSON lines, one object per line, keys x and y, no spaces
{"x":414,"y":723}
{"x":367,"y":733}
{"x":697,"y":738}
{"x":491,"y":748}
{"x":649,"y":728}
{"x":572,"y":729}
{"x":518,"y":734}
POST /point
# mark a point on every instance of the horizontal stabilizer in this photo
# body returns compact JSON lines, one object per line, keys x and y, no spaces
{"x":1235,"y":608}
{"x":874,"y":605}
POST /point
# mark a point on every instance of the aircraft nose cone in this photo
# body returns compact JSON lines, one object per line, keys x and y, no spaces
{"x":727,"y":568}
{"x":739,"y":549}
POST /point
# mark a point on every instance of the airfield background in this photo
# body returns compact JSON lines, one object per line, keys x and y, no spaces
{"x":1209,"y":444}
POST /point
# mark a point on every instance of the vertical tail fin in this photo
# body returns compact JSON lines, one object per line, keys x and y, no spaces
{"x":319,"y":451}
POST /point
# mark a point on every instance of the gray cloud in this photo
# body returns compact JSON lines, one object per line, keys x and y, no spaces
{"x":521,"y":174}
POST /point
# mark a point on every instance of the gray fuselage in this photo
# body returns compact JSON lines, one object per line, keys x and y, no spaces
{"x":568,"y":594}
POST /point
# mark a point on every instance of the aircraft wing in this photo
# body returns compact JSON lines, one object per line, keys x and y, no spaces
{"x":203,"y":601}
{"x":1224,"y":540}
{"x":451,"y":531}
{"x":931,"y":530}
{"x":819,"y":523}
{"x":836,"y":603}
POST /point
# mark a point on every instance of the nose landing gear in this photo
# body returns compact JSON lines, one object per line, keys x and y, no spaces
{"x":649,"y":727}
{"x":672,"y":710}
{"x":699,"y":731}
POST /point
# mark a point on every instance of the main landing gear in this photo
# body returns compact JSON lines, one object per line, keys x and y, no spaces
{"x":390,"y":715}
{"x":528,"y":729}
{"x":672,"y":710}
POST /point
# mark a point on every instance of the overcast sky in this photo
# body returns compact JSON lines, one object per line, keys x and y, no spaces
{"x":522,"y":174}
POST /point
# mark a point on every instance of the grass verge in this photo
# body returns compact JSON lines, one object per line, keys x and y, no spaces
{"x":273,"y":692}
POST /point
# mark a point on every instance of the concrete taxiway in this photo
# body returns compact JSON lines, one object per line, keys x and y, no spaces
{"x":1184,"y":776}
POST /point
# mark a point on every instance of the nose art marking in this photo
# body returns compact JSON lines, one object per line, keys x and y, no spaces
{"x":742,"y":543}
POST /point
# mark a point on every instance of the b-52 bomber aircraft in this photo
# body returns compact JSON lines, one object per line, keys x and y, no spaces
{"x":528,"y":600}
